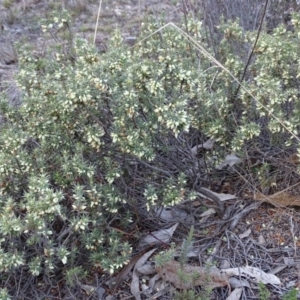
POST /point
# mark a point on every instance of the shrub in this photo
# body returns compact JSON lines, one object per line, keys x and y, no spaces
{"x":99,"y":140}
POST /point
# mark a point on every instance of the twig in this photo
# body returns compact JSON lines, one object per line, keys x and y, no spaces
{"x":97,"y":21}
{"x":252,"y":50}
{"x":293,"y":236}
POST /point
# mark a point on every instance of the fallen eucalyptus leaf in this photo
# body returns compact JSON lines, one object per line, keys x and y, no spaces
{"x":221,"y":196}
{"x":158,"y":237}
{"x":135,"y":282}
{"x":245,"y":234}
{"x":89,"y":289}
{"x":146,"y":269}
{"x":210,"y":211}
{"x":261,"y":240}
{"x":100,"y":292}
{"x":254,"y":273}
{"x":153,"y":282}
{"x":230,"y":160}
{"x":161,"y":291}
{"x":235,"y":294}
{"x":171,"y":213}
{"x":207,"y":145}
{"x":289,"y":261}
{"x":145,"y":289}
{"x":237,"y":283}
{"x":225,"y":264}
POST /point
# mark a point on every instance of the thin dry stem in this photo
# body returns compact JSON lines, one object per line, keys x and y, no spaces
{"x":97,"y":21}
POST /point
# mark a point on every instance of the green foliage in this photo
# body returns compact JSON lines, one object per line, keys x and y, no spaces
{"x":4,"y":294}
{"x":185,"y":246}
{"x":7,"y":3}
{"x":291,"y":295}
{"x":264,"y":293}
{"x":89,"y":145}
{"x":74,"y":275}
{"x":165,"y":256}
{"x":187,"y":295}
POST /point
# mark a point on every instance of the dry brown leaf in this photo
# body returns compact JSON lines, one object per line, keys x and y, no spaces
{"x":212,"y":277}
{"x":254,"y":273}
{"x":280,"y":199}
{"x":293,"y":159}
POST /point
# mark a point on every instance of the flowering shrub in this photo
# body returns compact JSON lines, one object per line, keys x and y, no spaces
{"x":99,"y":140}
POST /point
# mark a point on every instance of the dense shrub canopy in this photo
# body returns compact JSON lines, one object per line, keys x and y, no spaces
{"x":99,"y":140}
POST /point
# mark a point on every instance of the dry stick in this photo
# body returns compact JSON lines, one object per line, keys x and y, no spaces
{"x":97,"y":21}
{"x":211,"y":195}
{"x":252,"y":50}
{"x":293,"y":236}
{"x":139,"y":14}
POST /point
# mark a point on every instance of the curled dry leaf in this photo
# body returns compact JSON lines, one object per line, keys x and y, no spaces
{"x":146,"y":269}
{"x":171,"y":213}
{"x":153,"y":282}
{"x":236,"y":294}
{"x":210,"y":211}
{"x":225,"y":264}
{"x":261,"y":240}
{"x":209,"y":194}
{"x":135,"y":283}
{"x":237,"y":283}
{"x":207,"y":145}
{"x":289,"y":261}
{"x":212,"y":277}
{"x":161,"y":291}
{"x":158,"y":237}
{"x":230,"y":160}
{"x":88,"y":288}
{"x":245,"y":234}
